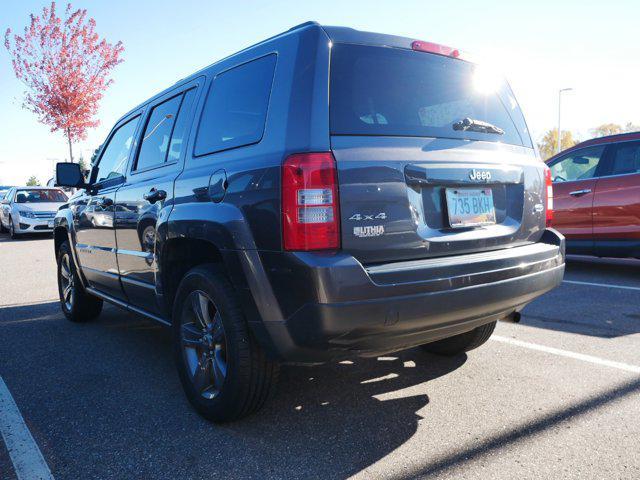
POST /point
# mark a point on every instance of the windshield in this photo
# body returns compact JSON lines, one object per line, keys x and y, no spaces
{"x":397,"y":92}
{"x":40,"y":196}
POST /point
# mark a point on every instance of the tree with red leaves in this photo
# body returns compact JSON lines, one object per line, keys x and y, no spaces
{"x":65,"y":66}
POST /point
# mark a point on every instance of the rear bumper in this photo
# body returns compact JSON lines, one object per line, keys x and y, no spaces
{"x":350,"y":309}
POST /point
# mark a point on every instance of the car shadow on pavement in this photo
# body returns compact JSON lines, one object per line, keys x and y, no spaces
{"x":4,"y":237}
{"x":31,"y":312}
{"x":596,"y":311}
{"x":105,"y":394}
{"x":342,"y":417}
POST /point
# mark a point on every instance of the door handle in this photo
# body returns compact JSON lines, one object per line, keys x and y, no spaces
{"x":579,"y":193}
{"x":155,"y":195}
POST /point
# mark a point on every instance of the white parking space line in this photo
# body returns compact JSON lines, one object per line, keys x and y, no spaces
{"x":26,"y":457}
{"x":566,"y":353}
{"x":605,"y":285}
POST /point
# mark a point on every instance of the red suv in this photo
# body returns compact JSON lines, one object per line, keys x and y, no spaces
{"x":597,"y":196}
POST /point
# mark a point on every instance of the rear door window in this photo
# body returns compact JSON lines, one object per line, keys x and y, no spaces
{"x":625,"y":159}
{"x":178,"y":138}
{"x":157,"y":134}
{"x":164,"y":134}
{"x":397,"y":92}
{"x":235,"y":112}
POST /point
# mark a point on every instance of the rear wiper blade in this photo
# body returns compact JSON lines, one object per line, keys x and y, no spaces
{"x":477,"y":126}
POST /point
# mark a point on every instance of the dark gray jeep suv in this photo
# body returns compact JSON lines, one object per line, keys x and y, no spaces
{"x":322,"y":194}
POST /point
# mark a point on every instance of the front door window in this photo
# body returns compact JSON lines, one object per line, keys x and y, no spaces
{"x":579,"y":165}
{"x":116,"y":154}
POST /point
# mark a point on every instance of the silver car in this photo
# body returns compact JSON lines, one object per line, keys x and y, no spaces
{"x":30,"y":209}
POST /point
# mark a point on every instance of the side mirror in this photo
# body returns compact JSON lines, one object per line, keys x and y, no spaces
{"x":69,"y":174}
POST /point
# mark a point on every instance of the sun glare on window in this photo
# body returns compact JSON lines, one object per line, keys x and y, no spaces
{"x":486,"y":81}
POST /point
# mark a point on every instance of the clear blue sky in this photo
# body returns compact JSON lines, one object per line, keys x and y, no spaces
{"x":541,"y":46}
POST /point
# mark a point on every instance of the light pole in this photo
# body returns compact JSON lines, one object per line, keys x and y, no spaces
{"x":559,"y":142}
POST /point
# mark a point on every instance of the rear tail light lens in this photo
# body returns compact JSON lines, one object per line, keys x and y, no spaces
{"x":549,"y":195}
{"x":310,"y":217}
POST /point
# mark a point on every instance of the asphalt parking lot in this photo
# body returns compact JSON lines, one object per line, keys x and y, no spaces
{"x":556,"y":396}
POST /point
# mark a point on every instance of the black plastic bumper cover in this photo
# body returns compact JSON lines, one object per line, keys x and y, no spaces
{"x":381,"y":309}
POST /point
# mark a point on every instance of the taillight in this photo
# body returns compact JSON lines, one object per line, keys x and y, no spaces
{"x":549,"y":194}
{"x":310,"y":215}
{"x":429,"y":47}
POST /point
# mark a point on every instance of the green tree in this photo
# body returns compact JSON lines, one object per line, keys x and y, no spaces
{"x":606,"y":129}
{"x":549,"y":143}
{"x":33,"y":181}
{"x":84,"y":167}
{"x":83,"y":164}
{"x":94,"y":156}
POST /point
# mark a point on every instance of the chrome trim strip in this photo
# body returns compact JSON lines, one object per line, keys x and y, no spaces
{"x":102,"y":272}
{"x":86,"y":247}
{"x":127,"y":306}
{"x":137,"y":283}
{"x":135,"y":253}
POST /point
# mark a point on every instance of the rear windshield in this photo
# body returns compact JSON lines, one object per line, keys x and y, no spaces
{"x":396,"y":92}
{"x":40,"y":196}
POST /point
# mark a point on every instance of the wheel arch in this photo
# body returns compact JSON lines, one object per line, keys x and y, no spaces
{"x":178,"y":255}
{"x":60,"y":235}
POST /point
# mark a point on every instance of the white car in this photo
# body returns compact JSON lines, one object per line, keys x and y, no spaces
{"x":30,"y":209}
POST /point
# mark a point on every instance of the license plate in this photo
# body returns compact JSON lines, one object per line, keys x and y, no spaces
{"x":50,"y":224}
{"x":469,"y":207}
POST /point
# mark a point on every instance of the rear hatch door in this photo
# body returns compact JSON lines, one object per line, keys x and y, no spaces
{"x":411,"y":184}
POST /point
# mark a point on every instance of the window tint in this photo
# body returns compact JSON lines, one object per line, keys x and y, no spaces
{"x":578,"y":165}
{"x":626,"y":159}
{"x":391,"y":91}
{"x":155,"y":141}
{"x":114,"y":158}
{"x":178,"y":139}
{"x":236,"y":108}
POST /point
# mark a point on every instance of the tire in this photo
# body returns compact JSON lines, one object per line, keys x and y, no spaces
{"x":77,"y":304}
{"x":461,"y":343}
{"x":3,"y":229}
{"x":224,"y":372}
{"x":12,"y":230}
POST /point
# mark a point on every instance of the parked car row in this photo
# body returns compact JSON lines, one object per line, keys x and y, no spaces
{"x":596,"y":187}
{"x":29,"y":209}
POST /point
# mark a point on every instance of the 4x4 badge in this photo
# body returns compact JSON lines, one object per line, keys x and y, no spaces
{"x":359,"y":216}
